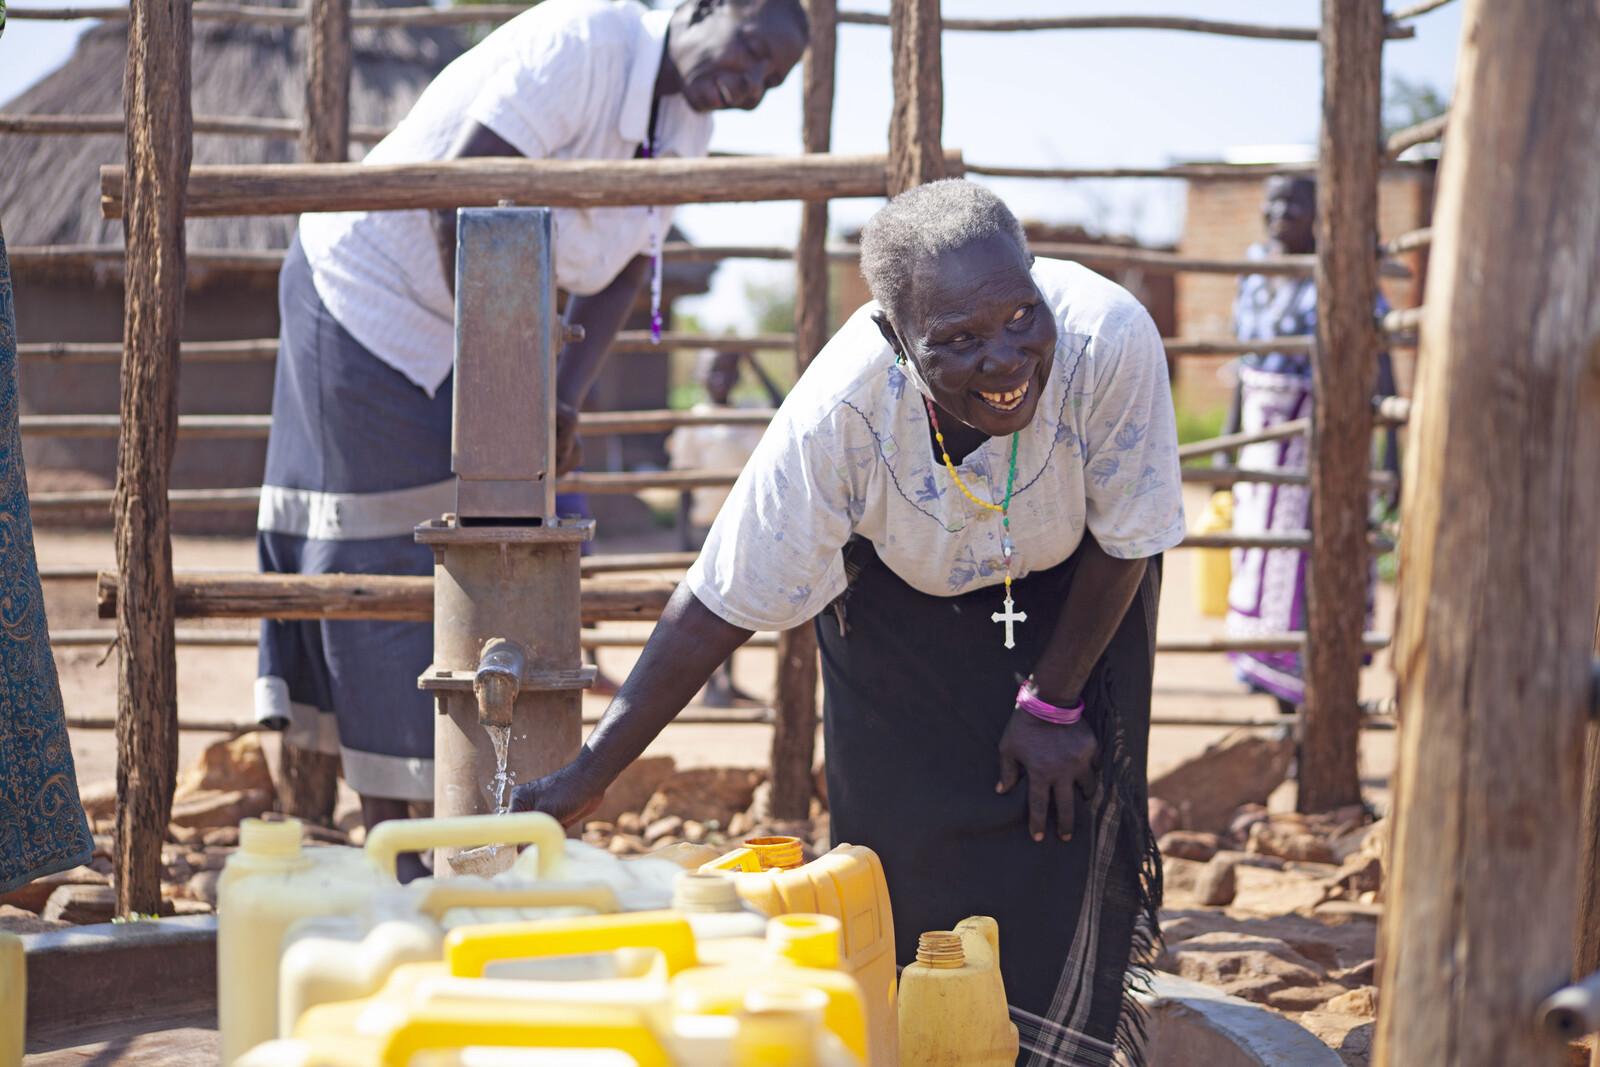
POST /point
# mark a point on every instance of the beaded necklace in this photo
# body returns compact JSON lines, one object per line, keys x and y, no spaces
{"x":1011,"y":615}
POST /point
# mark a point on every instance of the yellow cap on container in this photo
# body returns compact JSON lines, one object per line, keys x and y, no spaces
{"x":270,"y":837}
{"x":806,"y":940}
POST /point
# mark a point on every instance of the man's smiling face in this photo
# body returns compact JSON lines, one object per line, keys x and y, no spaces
{"x":734,"y":53}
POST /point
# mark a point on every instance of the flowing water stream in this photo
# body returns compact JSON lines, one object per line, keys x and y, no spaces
{"x":500,"y":786}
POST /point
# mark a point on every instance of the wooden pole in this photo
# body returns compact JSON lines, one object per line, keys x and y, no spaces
{"x":1343,"y":369}
{"x":794,"y":737}
{"x":290,"y":188}
{"x":1498,"y":563}
{"x":158,"y":145}
{"x":308,"y":786}
{"x":1588,"y":926}
{"x":915,"y":126}
{"x":325,"y":137}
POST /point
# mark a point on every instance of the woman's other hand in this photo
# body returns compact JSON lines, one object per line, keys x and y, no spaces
{"x":1062,"y":760}
{"x":564,"y":795}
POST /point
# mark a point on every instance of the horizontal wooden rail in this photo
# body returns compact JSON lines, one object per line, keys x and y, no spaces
{"x":1194,"y":172}
{"x":363,"y":596}
{"x":595,"y":424}
{"x":293,"y":17}
{"x":241,"y":499}
{"x":614,"y":563}
{"x":1414,"y":10}
{"x":627,"y":341}
{"x":1402,"y":319}
{"x":278,"y":189}
{"x":1223,"y":476}
{"x":228,"y":125}
{"x":1423,"y":132}
{"x":1410,"y":241}
{"x":1120,"y":22}
{"x":36,"y":257}
{"x":1230,"y":441}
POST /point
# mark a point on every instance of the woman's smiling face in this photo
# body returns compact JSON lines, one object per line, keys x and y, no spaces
{"x":980,"y":334}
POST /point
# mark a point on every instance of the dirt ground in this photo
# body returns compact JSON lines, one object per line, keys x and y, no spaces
{"x":215,"y":684}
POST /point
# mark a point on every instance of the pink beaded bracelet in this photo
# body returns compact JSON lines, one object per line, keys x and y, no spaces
{"x":1028,"y":700}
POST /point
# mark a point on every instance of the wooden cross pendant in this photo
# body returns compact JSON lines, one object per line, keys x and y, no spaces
{"x":1010,"y":616}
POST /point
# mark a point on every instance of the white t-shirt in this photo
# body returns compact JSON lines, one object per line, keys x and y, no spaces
{"x":849,"y":453}
{"x":568,"y":79}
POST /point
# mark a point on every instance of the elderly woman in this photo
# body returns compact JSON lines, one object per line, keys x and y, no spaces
{"x":969,"y":490}
{"x":360,"y":445}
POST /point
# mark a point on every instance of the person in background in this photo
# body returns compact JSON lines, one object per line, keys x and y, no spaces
{"x":718,"y":448}
{"x":42,"y":825}
{"x":359,"y":451}
{"x":1267,"y":593}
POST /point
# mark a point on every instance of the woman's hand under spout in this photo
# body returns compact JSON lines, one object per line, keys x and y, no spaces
{"x":689,"y":642}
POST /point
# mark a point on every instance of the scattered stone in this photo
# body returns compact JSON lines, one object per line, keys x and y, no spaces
{"x":1251,"y":859}
{"x":1164,"y":818}
{"x":203,"y":886}
{"x":105,"y":845}
{"x":181,"y":906}
{"x":323,"y":835}
{"x":221,"y":837}
{"x":102,"y":864}
{"x":1245,"y":817}
{"x":629,"y":823}
{"x":1363,"y":973}
{"x":185,"y":835}
{"x":663,"y":828}
{"x":633,"y":788}
{"x":36,"y":894}
{"x":626,"y":845}
{"x":1348,"y":911}
{"x":1216,"y":884}
{"x":1361,"y":873}
{"x":760,"y":808}
{"x":358,"y":835}
{"x":1362,"y":1001}
{"x":1189,"y":844}
{"x":1350,"y":1036}
{"x":739,"y":825}
{"x":822,"y":832}
{"x":1288,"y":839}
{"x":99,"y":798}
{"x":599,"y":826}
{"x":235,"y":766}
{"x":694,"y":832}
{"x":704,"y":793}
{"x":1305,"y":998}
{"x":1180,"y":876}
{"x":1263,"y":891}
{"x":177,"y":873}
{"x":1243,"y":768}
{"x":218,"y":809}
{"x":1241,"y":964}
{"x":22,"y":921}
{"x":81,"y":904}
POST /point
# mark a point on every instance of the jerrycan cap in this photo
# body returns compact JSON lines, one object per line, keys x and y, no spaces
{"x":940,"y":948}
{"x":780,"y":852}
{"x":778,"y":1026}
{"x":705,"y":891}
{"x":806,"y":940}
{"x":270,"y":837}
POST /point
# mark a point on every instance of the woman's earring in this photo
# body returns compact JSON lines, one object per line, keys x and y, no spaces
{"x":900,"y":359}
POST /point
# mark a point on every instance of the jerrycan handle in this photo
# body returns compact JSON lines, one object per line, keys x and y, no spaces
{"x":387,"y":840}
{"x":550,"y":1026}
{"x":469,"y":949}
{"x":450,"y":894}
{"x":740,"y":859}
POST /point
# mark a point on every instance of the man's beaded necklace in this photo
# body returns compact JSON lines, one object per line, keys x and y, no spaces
{"x":1011,"y":615}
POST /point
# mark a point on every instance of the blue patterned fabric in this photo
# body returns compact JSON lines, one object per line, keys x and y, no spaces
{"x":42,"y":825}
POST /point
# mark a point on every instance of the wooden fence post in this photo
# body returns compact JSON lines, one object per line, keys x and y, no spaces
{"x":1499,"y":555}
{"x":159,"y":145}
{"x":795,"y":737}
{"x":325,"y":138}
{"x":916,"y":124}
{"x":308,"y":787}
{"x":1343,"y":371}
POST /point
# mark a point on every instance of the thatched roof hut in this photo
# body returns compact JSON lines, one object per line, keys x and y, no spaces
{"x":50,"y":185}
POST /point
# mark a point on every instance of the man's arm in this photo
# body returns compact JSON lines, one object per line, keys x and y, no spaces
{"x":474,"y":140}
{"x":688,"y":644}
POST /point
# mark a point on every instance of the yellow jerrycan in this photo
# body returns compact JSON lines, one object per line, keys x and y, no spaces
{"x":848,"y":884}
{"x":1213,"y":567}
{"x":953,"y":1003}
{"x":272,"y":882}
{"x":13,"y":999}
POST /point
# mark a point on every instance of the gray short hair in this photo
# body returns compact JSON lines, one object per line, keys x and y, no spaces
{"x":928,"y":220}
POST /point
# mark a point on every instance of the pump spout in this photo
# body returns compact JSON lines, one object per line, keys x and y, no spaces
{"x":498,"y":680}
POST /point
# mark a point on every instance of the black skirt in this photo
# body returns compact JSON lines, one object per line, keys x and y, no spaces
{"x":918,"y":690}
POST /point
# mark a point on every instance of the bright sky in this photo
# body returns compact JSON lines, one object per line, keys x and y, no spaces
{"x":1052,"y":99}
